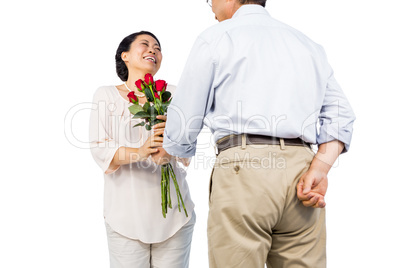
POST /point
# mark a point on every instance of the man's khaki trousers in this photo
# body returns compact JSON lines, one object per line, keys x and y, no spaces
{"x":255,"y":216}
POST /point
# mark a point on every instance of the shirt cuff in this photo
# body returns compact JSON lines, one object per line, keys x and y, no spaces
{"x":175,"y":149}
{"x":328,"y":133}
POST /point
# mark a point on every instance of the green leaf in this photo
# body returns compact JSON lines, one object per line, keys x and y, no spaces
{"x":165,"y":106}
{"x":146,"y":106}
{"x":168,"y":102}
{"x":152,"y":123}
{"x":140,"y":124}
{"x":148,"y":127}
{"x":149,"y":95}
{"x":153,"y":112}
{"x":135,"y":108}
{"x":166,"y":95}
{"x":141,"y":114}
{"x":158,"y":102}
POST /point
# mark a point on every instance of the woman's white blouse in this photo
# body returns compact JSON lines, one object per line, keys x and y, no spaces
{"x":132,"y":193}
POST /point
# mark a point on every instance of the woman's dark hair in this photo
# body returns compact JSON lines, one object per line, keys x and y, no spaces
{"x":121,"y":68}
{"x":257,"y":2}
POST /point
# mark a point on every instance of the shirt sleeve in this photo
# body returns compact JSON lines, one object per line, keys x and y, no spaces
{"x":191,"y":102}
{"x":102,"y":143}
{"x":336,"y":116}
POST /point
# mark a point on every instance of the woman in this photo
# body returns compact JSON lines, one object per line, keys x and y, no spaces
{"x":138,"y":235}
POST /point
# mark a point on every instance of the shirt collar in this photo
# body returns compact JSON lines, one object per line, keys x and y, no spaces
{"x":250,"y":9}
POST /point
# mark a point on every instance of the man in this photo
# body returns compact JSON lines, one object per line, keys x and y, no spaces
{"x":261,"y":86}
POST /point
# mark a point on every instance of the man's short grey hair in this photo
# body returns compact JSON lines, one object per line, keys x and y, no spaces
{"x":257,"y":2}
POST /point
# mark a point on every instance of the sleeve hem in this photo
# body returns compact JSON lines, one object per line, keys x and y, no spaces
{"x":106,"y":167}
{"x":331,"y":138}
{"x":172,"y":148}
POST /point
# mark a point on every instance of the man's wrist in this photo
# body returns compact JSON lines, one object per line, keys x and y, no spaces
{"x":327,"y":155}
{"x":320,"y":165}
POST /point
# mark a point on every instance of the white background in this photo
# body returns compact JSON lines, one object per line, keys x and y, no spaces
{"x":54,"y":54}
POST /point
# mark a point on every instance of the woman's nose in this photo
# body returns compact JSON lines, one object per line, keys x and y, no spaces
{"x":152,"y":51}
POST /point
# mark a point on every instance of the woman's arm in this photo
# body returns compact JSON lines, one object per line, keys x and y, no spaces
{"x":127,"y":155}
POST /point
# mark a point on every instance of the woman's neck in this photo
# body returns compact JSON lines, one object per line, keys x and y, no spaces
{"x":133,"y":77}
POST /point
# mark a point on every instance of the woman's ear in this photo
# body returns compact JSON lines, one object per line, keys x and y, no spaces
{"x":124,"y":56}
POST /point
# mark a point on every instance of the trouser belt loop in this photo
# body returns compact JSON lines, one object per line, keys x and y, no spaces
{"x":282,"y":143}
{"x":243,"y":142}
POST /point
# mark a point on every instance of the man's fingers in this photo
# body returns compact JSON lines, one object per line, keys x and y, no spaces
{"x":304,"y":197}
{"x":311,"y":202}
{"x":321,"y":203}
{"x":299,"y":186}
{"x":315,"y":202}
{"x":307,"y":186}
{"x":311,"y":190}
{"x":300,"y":195}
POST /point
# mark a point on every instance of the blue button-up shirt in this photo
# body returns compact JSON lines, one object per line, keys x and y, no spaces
{"x":253,"y":74}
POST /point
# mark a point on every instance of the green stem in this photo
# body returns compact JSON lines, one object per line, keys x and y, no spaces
{"x":166,"y":189}
{"x":163,"y":179}
{"x":169,"y":201}
{"x":152,"y":91}
{"x":179,"y":196}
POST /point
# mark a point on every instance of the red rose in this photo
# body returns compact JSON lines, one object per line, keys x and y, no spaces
{"x":156,"y":95}
{"x":160,"y":85}
{"x":149,"y":79}
{"x":131,"y":96}
{"x":139,"y":84}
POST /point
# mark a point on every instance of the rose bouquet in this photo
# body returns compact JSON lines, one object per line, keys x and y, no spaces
{"x":158,"y":100}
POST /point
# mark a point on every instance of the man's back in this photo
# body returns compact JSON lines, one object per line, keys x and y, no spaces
{"x":258,"y":78}
{"x":268,"y":79}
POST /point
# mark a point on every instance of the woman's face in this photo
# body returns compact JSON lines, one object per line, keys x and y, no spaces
{"x":144,"y":55}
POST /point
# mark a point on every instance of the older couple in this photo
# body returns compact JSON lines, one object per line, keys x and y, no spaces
{"x":260,"y":86}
